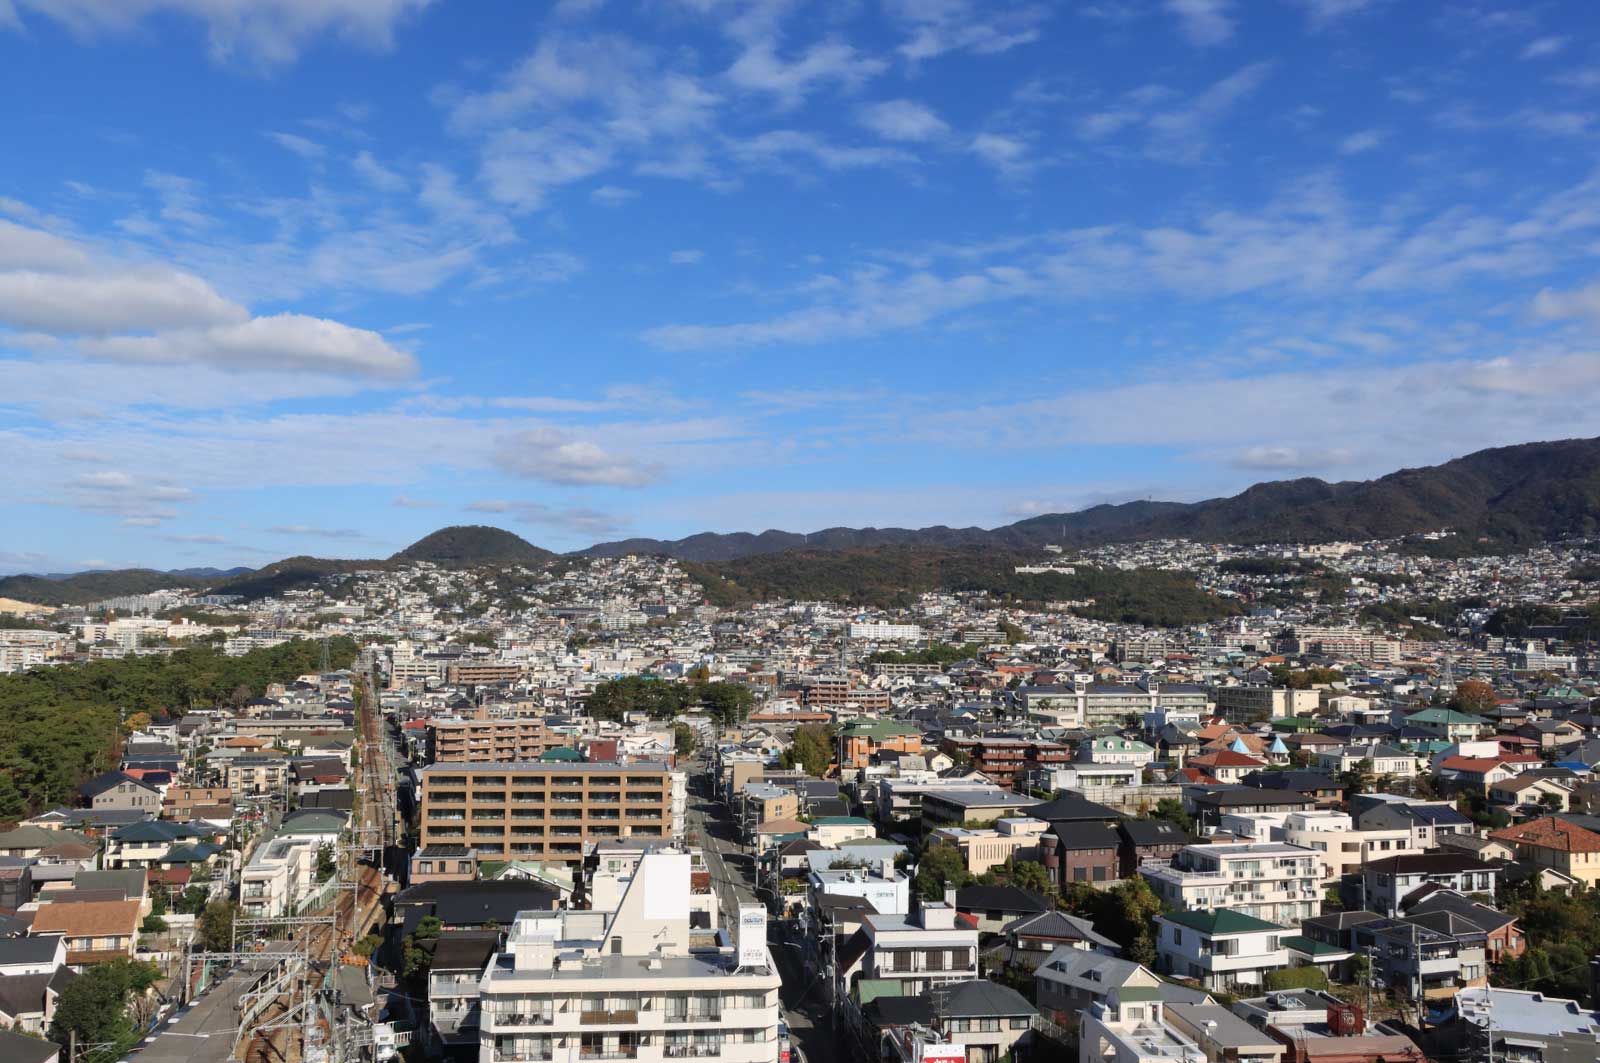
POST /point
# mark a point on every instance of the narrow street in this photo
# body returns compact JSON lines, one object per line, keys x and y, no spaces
{"x":803,"y":996}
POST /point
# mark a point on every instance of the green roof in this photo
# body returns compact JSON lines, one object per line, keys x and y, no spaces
{"x":1221,"y":921}
{"x":878,"y":729}
{"x":841,"y":821}
{"x":1138,"y":992}
{"x":1306,"y":946}
{"x":1295,"y":723}
{"x":560,"y":753}
{"x":1445,"y":716}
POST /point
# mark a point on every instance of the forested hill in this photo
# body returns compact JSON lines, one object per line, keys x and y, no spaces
{"x":473,"y":544}
{"x":59,"y":726}
{"x":895,"y":576}
{"x":1512,"y":496}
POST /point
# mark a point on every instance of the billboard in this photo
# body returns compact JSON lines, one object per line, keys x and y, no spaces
{"x":932,"y":1053}
{"x":752,"y":939}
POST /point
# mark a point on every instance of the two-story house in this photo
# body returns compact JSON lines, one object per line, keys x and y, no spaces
{"x":1388,"y":882}
{"x":1271,"y":881}
{"x":1222,"y":949}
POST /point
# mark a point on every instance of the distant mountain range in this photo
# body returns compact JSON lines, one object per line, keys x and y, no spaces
{"x":1534,"y":492}
{"x":1511,"y":496}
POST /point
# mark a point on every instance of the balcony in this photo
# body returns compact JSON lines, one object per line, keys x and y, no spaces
{"x":690,"y":1051}
{"x":694,"y":1016}
{"x":608,"y":1018}
{"x":620,"y":1052}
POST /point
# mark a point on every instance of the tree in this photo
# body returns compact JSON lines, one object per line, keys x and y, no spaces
{"x":153,"y":924}
{"x":941,"y":866}
{"x":418,"y":959}
{"x":811,"y":749}
{"x":683,"y":739}
{"x":137,"y":721}
{"x":214,"y":928}
{"x":1028,"y":875}
{"x":367,"y":945}
{"x":192,"y":900}
{"x":1473,"y":696}
{"x":325,"y":863}
{"x":95,"y":1005}
{"x":1171,"y":810}
{"x":158,"y":899}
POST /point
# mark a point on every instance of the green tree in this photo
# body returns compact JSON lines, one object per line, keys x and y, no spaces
{"x":1028,"y":875}
{"x":683,"y":739}
{"x":214,"y":928}
{"x":810,"y":749}
{"x":1171,"y":810}
{"x":95,"y":1005}
{"x":192,"y":900}
{"x":325,"y":863}
{"x":941,"y":865}
{"x":417,"y":959}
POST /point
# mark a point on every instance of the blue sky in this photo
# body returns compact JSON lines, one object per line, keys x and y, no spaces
{"x":319,"y":276}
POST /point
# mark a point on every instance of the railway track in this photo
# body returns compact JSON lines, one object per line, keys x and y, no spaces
{"x":355,"y":909}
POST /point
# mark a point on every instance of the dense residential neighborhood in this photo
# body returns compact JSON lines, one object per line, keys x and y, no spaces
{"x":587,"y":814}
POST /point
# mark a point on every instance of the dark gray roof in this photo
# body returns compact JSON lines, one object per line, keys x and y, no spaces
{"x":981,"y":998}
{"x":15,"y":1048}
{"x":27,"y":950}
{"x":464,"y":950}
{"x":1002,"y":898}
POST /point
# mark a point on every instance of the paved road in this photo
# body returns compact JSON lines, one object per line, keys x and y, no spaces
{"x":204,"y":1031}
{"x":803,"y":995}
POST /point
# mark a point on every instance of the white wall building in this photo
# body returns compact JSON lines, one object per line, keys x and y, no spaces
{"x":634,"y":984}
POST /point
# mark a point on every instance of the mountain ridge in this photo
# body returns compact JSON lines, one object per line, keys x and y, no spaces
{"x":1510,"y":497}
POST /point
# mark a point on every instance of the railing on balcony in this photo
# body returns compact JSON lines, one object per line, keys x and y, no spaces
{"x":608,"y":1018}
{"x":690,"y":1051}
{"x":694,"y":1016}
{"x":620,"y":1052}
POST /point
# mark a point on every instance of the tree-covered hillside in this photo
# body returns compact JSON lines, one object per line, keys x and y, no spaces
{"x":61,"y":725}
{"x":895,"y":576}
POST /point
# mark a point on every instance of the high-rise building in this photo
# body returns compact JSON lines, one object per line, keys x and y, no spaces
{"x":638,"y":983}
{"x":548,"y":811}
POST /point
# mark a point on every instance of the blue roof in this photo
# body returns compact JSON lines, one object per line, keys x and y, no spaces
{"x":1437,"y":814}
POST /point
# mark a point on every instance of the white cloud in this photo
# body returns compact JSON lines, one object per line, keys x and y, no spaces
{"x":686,"y":257}
{"x":376,"y":174}
{"x":265,"y":32}
{"x":407,"y":502}
{"x":612,"y":195}
{"x":828,"y":62}
{"x":1544,"y":47}
{"x":1364,"y":141}
{"x":984,"y":27}
{"x":578,"y":520}
{"x":1183,"y":135}
{"x":1285,"y":458}
{"x":25,"y":248}
{"x":296,"y":144}
{"x":902,"y":120}
{"x":1006,"y":154}
{"x":311,"y":531}
{"x":121,"y":300}
{"x":283,"y":342}
{"x":1551,"y":305}
{"x":556,"y":457}
{"x":778,"y":147}
{"x":1325,"y":12}
{"x":1204,"y":23}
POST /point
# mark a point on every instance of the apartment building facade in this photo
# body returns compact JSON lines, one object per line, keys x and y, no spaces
{"x":548,"y":811}
{"x":636,"y":984}
{"x":490,"y":741}
{"x":1272,"y":881}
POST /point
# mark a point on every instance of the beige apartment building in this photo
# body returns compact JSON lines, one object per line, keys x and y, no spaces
{"x":489,"y":741}
{"x":550,"y":812}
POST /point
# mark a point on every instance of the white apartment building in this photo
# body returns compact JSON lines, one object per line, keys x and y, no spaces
{"x":882,"y":631}
{"x":1274,"y":881}
{"x":1133,"y":1031}
{"x":1250,"y":703}
{"x":1342,"y":849}
{"x":281,"y":871}
{"x":612,"y":866}
{"x":636,"y":984}
{"x":920,"y":951}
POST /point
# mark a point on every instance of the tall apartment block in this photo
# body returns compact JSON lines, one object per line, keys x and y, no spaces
{"x":549,"y":811}
{"x":639,"y":983}
{"x":490,"y":741}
